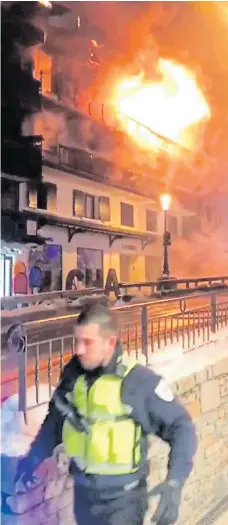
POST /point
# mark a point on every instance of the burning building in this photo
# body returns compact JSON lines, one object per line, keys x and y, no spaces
{"x":120,"y":124}
{"x":21,"y":156}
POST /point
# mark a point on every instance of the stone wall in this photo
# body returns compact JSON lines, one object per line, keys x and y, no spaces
{"x":205,"y":395}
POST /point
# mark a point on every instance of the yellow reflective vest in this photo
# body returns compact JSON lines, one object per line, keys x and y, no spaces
{"x":112,"y":446}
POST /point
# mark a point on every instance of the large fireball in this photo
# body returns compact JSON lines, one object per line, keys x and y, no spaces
{"x":168,"y":107}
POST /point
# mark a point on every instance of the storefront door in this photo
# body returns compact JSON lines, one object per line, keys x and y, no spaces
{"x":48,"y":259}
{"x":90,"y":263}
{"x":128,"y":269}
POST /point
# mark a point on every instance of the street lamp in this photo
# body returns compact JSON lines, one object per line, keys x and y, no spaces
{"x":165,"y":200}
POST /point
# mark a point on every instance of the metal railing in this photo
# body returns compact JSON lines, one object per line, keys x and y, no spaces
{"x":102,"y":169}
{"x":161,"y":286}
{"x":167,"y":285}
{"x":85,"y":164}
{"x":9,"y":303}
{"x":145,"y":328}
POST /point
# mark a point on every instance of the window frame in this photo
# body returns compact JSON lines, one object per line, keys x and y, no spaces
{"x":33,"y":187}
{"x":148,"y":211}
{"x":15,"y":193}
{"x":85,"y":196}
{"x":104,"y":197}
{"x":96,"y":203}
{"x":130,"y":207}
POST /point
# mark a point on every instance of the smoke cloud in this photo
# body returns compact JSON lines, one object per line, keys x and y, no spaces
{"x":16,"y":66}
{"x":180,"y":31}
{"x":52,"y":127}
{"x":133,"y":46}
{"x":203,"y":254}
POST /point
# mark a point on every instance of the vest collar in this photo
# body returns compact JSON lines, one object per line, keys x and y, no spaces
{"x":116,"y":358}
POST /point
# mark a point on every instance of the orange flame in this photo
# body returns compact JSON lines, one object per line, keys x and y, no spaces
{"x":169,"y":107}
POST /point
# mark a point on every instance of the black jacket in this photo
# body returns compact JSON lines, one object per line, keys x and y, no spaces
{"x":168,"y":420}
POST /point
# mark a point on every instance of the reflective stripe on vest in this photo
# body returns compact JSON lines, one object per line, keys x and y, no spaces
{"x":113,"y":444}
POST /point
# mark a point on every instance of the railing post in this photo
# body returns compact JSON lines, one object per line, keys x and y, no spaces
{"x":21,"y":349}
{"x":22,"y":378}
{"x":213,"y":313}
{"x":17,"y":344}
{"x":144,"y":331}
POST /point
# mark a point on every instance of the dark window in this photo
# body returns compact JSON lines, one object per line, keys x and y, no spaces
{"x":10,"y":194}
{"x":104,"y":208}
{"x":151,"y":221}
{"x":42,"y":196}
{"x":83,"y":205}
{"x":172,"y":225}
{"x":47,"y":194}
{"x":78,"y":203}
{"x":91,"y":207}
{"x":127,"y":214}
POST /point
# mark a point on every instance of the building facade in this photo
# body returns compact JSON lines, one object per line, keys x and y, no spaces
{"x":76,"y":212}
{"x":95,"y":227}
{"x":90,"y":227}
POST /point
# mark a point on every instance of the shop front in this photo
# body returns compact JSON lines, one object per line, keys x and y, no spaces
{"x":136,"y":262}
{"x":45,"y":261}
{"x":82,"y":253}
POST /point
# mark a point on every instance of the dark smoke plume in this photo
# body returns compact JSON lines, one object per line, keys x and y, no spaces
{"x":17,"y":75}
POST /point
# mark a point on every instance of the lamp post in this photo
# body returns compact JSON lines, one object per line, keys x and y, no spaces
{"x":165,"y":200}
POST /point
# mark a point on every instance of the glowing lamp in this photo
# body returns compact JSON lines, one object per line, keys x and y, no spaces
{"x":165,"y":200}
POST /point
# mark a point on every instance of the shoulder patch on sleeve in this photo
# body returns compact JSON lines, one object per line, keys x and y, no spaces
{"x":164,"y":391}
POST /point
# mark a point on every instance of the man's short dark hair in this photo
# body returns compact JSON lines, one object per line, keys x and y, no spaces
{"x":96,"y":313}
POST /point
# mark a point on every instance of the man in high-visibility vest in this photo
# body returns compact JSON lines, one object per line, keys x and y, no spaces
{"x":103,"y":409}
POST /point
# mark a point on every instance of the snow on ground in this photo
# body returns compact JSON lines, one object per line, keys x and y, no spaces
{"x":17,"y":312}
{"x":16,"y":436}
{"x":174,"y":363}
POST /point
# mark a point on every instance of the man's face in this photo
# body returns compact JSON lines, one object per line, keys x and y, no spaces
{"x":92,"y":348}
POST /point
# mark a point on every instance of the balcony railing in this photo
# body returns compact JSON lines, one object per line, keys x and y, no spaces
{"x":22,"y":157}
{"x":96,"y":167}
{"x":76,"y":159}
